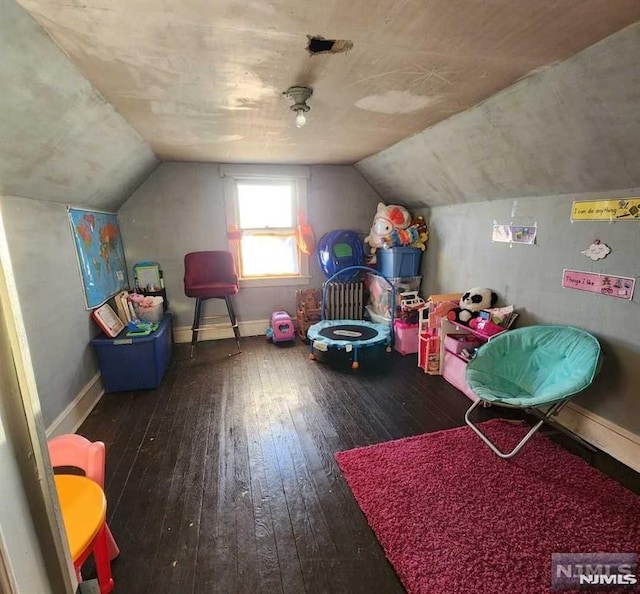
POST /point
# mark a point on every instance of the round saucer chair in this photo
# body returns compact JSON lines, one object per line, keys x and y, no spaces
{"x":537,"y":369}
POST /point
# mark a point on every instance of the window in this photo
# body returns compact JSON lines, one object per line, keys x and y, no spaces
{"x":263,"y":206}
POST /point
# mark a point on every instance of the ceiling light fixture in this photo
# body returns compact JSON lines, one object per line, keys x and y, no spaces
{"x":299,"y":96}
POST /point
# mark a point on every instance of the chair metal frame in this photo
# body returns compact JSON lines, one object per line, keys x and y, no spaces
{"x":546,"y":417}
{"x":197,"y":318}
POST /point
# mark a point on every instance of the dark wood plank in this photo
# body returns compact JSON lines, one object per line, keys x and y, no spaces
{"x":224,"y":478}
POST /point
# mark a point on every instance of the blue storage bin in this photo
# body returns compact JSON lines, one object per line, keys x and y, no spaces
{"x":399,"y":262}
{"x":134,"y":363}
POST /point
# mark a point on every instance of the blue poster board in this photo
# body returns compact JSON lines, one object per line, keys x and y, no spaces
{"x":100,"y":254}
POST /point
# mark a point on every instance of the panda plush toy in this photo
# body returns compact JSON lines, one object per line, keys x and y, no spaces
{"x":471,"y":303}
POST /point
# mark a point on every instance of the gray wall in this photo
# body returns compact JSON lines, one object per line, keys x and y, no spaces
{"x":180,"y":209}
{"x":572,"y":128}
{"x":61,"y":140}
{"x":461,"y":255}
{"x":51,"y":299}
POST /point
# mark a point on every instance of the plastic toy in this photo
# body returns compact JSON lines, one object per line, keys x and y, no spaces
{"x":415,"y":235}
{"x":338,"y":250}
{"x":400,"y":237}
{"x":280,"y":327}
{"x":386,"y":220}
{"x":410,"y":300}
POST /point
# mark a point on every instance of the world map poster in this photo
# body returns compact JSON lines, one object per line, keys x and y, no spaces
{"x":100,"y":254}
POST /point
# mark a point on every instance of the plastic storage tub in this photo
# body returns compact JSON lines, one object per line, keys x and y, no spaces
{"x":454,"y":371}
{"x":399,"y":261}
{"x":456,"y":343}
{"x":139,"y":363}
{"x":150,"y":314}
{"x":380,"y":292}
{"x":406,"y":337}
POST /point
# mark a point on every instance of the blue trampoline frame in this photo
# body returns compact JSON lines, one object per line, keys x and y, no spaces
{"x":355,"y":345}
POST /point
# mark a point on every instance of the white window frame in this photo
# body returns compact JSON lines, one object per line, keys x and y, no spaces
{"x":299,"y":176}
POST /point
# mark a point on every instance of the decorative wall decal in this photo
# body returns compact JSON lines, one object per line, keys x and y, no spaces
{"x":597,"y":250}
{"x":514,"y":234}
{"x":617,"y":209}
{"x":606,"y":284}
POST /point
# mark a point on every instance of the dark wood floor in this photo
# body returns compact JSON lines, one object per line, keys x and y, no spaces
{"x":223,"y":479}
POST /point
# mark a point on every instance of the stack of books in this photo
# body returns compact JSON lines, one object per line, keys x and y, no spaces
{"x":124,"y":307}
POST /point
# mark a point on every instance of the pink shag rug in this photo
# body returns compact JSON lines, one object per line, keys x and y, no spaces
{"x":452,"y":517}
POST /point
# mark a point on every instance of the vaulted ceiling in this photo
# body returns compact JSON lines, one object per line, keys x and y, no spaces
{"x":203,"y":80}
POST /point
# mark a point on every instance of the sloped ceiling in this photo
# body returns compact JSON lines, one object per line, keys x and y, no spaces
{"x":573,"y":128}
{"x":203,"y":81}
{"x":61,"y":141}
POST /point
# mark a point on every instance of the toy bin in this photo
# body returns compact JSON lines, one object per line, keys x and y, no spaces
{"x":456,"y":343}
{"x":406,"y":337}
{"x":454,"y":371}
{"x":134,"y":363}
{"x":380,"y":292}
{"x":399,"y":262}
{"x":150,"y":314}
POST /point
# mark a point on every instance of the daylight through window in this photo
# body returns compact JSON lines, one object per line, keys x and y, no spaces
{"x":267,"y":220}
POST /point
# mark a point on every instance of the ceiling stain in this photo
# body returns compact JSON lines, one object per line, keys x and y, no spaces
{"x":395,"y":102}
{"x":184,"y":73}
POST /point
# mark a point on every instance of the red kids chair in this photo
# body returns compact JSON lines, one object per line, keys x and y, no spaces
{"x":78,"y":452}
{"x":210,"y":275}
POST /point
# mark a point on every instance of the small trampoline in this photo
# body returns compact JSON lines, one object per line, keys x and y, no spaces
{"x":341,"y":342}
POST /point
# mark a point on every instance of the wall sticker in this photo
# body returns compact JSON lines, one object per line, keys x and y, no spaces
{"x":597,"y":250}
{"x":604,"y":284}
{"x":618,"y":209}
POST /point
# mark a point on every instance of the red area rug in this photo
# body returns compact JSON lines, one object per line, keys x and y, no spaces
{"x":452,"y":517}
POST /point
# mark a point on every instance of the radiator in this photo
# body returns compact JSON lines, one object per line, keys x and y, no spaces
{"x":344,"y":301}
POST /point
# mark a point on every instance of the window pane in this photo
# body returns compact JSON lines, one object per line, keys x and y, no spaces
{"x":268,"y":205}
{"x":269,"y":255}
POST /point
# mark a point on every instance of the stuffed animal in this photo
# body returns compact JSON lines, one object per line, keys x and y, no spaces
{"x":399,"y":237}
{"x":386,"y":219}
{"x":423,"y":234}
{"x":471,"y":303}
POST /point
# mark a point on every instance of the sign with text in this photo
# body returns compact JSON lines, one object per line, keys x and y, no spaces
{"x":605,"y":284}
{"x":619,"y":209}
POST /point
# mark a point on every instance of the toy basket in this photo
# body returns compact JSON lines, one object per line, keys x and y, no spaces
{"x":308,"y":310}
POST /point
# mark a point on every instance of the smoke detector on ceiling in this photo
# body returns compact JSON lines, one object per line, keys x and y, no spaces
{"x":299,"y":95}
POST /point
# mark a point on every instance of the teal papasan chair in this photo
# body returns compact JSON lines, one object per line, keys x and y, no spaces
{"x":532,"y":368}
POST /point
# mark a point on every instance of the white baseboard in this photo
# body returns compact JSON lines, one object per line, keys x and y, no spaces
{"x":616,"y":441}
{"x":78,"y":409}
{"x":219,"y":331}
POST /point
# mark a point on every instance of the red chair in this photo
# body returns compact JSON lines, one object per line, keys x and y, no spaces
{"x":210,"y":275}
{"x":78,"y":452}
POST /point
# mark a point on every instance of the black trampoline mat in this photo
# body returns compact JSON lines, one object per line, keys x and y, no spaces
{"x":352,"y":332}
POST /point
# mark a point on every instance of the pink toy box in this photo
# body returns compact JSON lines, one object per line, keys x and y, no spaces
{"x":281,"y":327}
{"x":406,"y":337}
